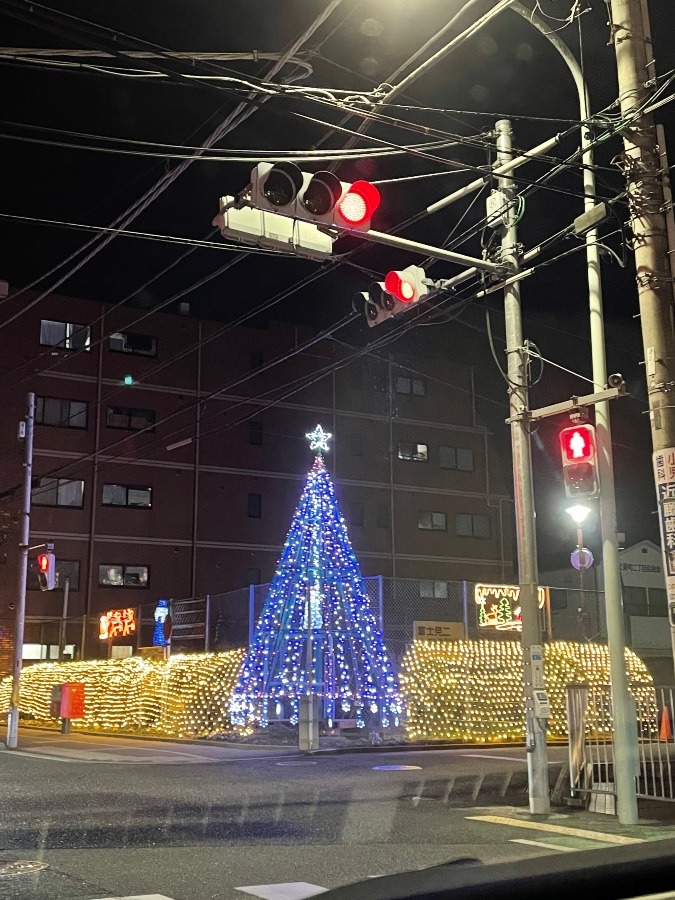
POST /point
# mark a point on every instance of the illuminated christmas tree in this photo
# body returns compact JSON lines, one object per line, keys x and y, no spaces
{"x":317,"y":634}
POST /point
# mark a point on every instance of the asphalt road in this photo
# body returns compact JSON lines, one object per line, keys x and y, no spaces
{"x":115,"y":817}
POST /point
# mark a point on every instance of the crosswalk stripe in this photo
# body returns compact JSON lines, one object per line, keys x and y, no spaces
{"x":285,"y":890}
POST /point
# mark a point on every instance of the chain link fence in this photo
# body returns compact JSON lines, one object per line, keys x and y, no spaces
{"x":399,"y":603}
{"x":395,"y":603}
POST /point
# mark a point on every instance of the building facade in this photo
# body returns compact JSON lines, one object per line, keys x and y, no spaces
{"x":170,"y":453}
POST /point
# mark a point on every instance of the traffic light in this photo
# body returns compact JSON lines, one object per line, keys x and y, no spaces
{"x":271,"y":230}
{"x":46,"y":563}
{"x":400,"y":290}
{"x":580,"y":462}
{"x":321,"y":198}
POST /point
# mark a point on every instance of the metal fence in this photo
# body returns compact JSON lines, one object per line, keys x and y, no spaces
{"x":591,"y":743}
{"x":395,"y":603}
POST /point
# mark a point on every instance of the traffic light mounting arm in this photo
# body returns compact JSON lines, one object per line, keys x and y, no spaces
{"x":391,"y":240}
{"x":568,"y":406}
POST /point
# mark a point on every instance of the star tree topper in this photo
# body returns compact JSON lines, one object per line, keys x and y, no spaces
{"x":318,"y":439}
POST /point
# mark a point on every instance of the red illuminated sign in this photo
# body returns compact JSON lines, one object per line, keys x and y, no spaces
{"x":43,"y":562}
{"x":117,"y":623}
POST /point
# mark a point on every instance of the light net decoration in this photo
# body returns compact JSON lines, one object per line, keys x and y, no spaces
{"x":317,"y":634}
{"x":186,"y":696}
{"x":473,"y":690}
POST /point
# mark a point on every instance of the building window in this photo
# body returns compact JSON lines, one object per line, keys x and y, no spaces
{"x":357,"y":513}
{"x":255,"y":433}
{"x":257,"y":360}
{"x":432,"y":521}
{"x":64,"y":335}
{"x":57,"y":492}
{"x":127,"y":495}
{"x":464,"y":459}
{"x":130,"y":419}
{"x":68,"y":568}
{"x":60,"y":413}
{"x":136,"y":344}
{"x":123,"y":576}
{"x":405,"y":385}
{"x":65,"y":568}
{"x":438,"y":590}
{"x":356,"y":444}
{"x":255,"y":506}
{"x":253,"y":576}
{"x":657,"y":600}
{"x":409,"y":450}
{"x":469,"y":525}
{"x":382,"y":515}
{"x":460,"y":458}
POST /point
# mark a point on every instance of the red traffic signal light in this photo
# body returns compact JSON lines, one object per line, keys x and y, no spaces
{"x":579,"y":459}
{"x":578,"y":443}
{"x":46,"y":564}
{"x":406,"y":285}
{"x":359,"y":203}
{"x":399,"y":287}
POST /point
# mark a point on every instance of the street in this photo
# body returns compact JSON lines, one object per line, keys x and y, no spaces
{"x":118,"y":817}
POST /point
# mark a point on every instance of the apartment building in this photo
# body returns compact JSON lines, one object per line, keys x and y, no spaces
{"x":170,"y":454}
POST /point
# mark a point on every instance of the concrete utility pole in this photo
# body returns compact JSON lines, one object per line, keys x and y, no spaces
{"x":13,"y":715}
{"x":528,"y":577}
{"x":641,"y":166}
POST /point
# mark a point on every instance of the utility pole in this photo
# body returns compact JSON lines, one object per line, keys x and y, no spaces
{"x":528,"y":576}
{"x":641,"y":166}
{"x":64,"y":617}
{"x":13,"y":715}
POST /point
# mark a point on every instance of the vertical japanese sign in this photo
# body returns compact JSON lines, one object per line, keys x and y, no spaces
{"x":664,"y":476}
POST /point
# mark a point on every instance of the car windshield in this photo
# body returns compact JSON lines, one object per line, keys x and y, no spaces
{"x":337,"y":487}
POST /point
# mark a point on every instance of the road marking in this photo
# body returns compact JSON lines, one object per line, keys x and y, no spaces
{"x":140,"y":897}
{"x":32,"y":755}
{"x":395,"y":768}
{"x":543,"y":845}
{"x":104,"y":757}
{"x":492,"y":756}
{"x":288,"y":890}
{"x":602,"y":836}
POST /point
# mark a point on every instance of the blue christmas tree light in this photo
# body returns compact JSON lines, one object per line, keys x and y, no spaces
{"x":317,"y":634}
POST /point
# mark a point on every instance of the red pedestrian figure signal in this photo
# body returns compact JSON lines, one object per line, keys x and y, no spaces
{"x":579,"y":459}
{"x":578,"y":443}
{"x":46,"y":564}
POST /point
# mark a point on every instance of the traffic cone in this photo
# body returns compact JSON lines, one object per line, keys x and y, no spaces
{"x":666,"y":729}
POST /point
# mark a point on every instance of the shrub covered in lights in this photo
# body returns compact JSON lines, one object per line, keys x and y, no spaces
{"x":317,"y":634}
{"x":473,"y":690}
{"x":184,"y":696}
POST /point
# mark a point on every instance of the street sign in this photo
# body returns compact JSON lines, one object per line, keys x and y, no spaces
{"x":664,"y":476}
{"x":438,"y":631}
{"x":581,"y":560}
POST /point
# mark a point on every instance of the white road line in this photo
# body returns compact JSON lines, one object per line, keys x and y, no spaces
{"x":140,"y":897}
{"x":492,"y":756}
{"x":103,"y":758}
{"x":289,"y":890}
{"x":543,"y":845}
{"x":32,"y":755}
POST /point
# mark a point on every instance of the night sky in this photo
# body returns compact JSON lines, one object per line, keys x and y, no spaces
{"x":507,"y":70}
